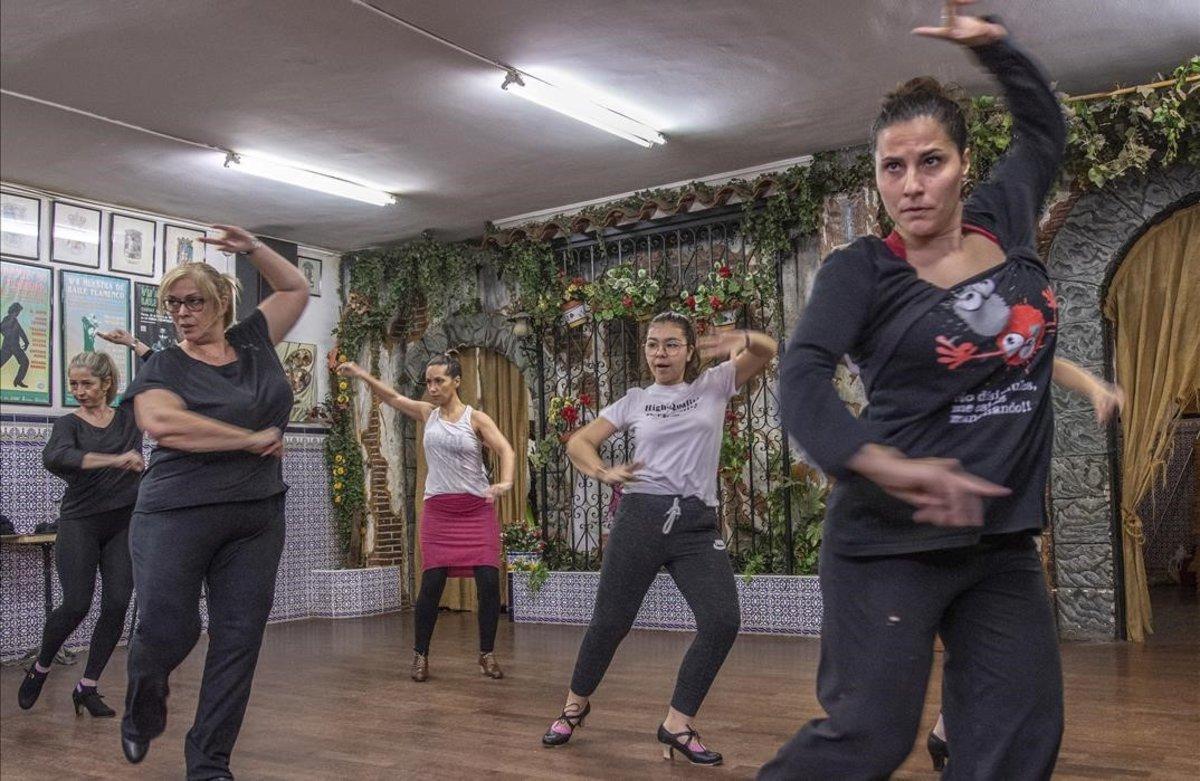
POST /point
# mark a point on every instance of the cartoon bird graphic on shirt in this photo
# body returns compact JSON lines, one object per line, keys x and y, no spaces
{"x":981,"y":307}
{"x":1017,"y":341}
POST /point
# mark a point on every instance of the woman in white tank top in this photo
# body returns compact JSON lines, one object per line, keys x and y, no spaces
{"x":460,"y":535}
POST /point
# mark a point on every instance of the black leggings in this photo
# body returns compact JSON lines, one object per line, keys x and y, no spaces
{"x":433,"y":582}
{"x":681,"y":534}
{"x":83,"y":545}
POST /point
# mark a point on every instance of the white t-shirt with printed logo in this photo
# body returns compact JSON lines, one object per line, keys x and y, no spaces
{"x":677,"y":433}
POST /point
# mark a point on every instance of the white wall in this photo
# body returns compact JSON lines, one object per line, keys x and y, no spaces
{"x":315,"y":326}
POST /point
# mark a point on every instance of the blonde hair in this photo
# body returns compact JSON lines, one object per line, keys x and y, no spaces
{"x":212,"y":284}
{"x":102,"y":367}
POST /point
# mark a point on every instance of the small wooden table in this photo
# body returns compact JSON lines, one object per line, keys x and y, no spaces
{"x":46,"y":543}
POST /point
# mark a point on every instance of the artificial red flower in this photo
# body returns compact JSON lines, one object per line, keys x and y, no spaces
{"x":627,"y":302}
{"x":570,"y":413}
{"x":585,"y":399}
{"x":715,"y":302}
{"x":725,"y":272}
{"x":691,"y":303}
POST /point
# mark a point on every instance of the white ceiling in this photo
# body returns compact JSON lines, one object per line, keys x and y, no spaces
{"x":327,"y":83}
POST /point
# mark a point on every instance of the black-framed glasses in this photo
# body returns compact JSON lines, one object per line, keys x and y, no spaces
{"x":193,"y":303}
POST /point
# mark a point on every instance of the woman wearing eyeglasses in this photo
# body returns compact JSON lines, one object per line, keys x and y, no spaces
{"x":667,"y":517}
{"x":210,"y":507}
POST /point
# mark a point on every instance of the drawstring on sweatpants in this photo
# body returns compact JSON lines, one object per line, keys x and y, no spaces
{"x":672,"y":514}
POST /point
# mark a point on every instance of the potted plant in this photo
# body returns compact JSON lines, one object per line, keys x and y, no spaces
{"x":565,"y":413}
{"x":574,"y":304}
{"x":719,"y":298}
{"x":523,"y":548}
{"x":625,"y":291}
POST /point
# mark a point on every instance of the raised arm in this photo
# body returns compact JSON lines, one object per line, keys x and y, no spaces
{"x":285,"y":305}
{"x":750,"y":352}
{"x":164,"y":416}
{"x":1012,"y":197}
{"x":413,"y":408}
{"x":121,"y":336}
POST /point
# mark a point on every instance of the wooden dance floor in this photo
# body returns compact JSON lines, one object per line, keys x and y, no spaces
{"x":332,"y":700}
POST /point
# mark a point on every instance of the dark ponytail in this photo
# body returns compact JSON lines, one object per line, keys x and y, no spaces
{"x":449,"y":359}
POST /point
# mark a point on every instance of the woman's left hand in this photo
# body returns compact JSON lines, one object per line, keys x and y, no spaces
{"x":720,"y":345}
{"x":118,"y":336}
{"x":496,"y":490}
{"x":1108,"y":399}
{"x":235,"y":239}
{"x":963,"y":30}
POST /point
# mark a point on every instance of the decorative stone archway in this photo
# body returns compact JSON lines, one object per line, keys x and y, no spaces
{"x":1099,"y":231}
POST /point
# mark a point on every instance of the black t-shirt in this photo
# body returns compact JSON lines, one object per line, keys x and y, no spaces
{"x":252,"y":392}
{"x":92,"y":491}
{"x":961,"y":373}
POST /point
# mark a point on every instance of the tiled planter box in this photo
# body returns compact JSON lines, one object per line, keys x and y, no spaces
{"x":771,"y":604}
{"x":353,"y":593}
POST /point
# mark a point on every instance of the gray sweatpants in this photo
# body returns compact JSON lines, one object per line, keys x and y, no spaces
{"x":681,"y":534}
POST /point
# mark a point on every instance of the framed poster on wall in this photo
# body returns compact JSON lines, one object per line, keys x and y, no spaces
{"x":75,"y":231}
{"x":131,"y":245}
{"x":20,"y":226}
{"x":26,"y":352}
{"x":311,"y":268}
{"x":181,"y":245}
{"x":152,"y":327}
{"x":299,"y":364}
{"x":91,"y":303}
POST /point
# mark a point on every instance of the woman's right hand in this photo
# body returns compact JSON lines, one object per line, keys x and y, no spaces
{"x":268,"y":442}
{"x":350,"y":369}
{"x":963,"y":30}
{"x":131,"y":460}
{"x":619,"y":474}
{"x":942,"y":491}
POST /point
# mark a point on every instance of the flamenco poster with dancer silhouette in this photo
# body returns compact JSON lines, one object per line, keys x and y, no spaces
{"x":92,"y":303}
{"x":26,"y":309}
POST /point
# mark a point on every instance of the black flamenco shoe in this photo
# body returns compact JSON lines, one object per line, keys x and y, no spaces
{"x":574,"y":721}
{"x":672,"y":743}
{"x":939,"y":751}
{"x":135,"y":750}
{"x":31,"y":687}
{"x":91,"y":700}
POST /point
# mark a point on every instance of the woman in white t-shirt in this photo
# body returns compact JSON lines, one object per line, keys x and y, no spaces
{"x":667,"y":517}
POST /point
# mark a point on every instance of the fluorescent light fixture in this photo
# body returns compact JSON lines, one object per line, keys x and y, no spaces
{"x":577,"y":107}
{"x":301,"y":177}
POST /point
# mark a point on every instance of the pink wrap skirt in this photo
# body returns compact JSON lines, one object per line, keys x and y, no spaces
{"x":461,"y":532}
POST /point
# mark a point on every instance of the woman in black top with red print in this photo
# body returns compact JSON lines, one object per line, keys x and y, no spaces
{"x":941,"y":481}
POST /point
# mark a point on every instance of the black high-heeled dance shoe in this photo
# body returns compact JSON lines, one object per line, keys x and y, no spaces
{"x":134,"y":750}
{"x":31,"y":687}
{"x":697,"y":756}
{"x":90,"y":698}
{"x":939,"y":751}
{"x":554,"y":738}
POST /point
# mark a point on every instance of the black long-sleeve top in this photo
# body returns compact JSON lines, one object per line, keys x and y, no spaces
{"x":958,"y":373}
{"x":91,"y":491}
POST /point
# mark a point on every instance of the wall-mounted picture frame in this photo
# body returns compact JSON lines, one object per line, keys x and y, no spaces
{"x":89,"y":303}
{"x":311,"y":269}
{"x":26,"y":349}
{"x":154,"y":328}
{"x":131,"y":245}
{"x":75,"y":234}
{"x":299,"y":361}
{"x":181,"y":245}
{"x":20,"y":226}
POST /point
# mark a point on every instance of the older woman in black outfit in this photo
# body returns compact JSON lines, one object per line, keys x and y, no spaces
{"x":210,"y":507}
{"x":98,"y":451}
{"x":930,"y":527}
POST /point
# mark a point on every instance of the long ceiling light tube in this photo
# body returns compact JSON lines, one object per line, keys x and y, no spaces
{"x":557,"y":99}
